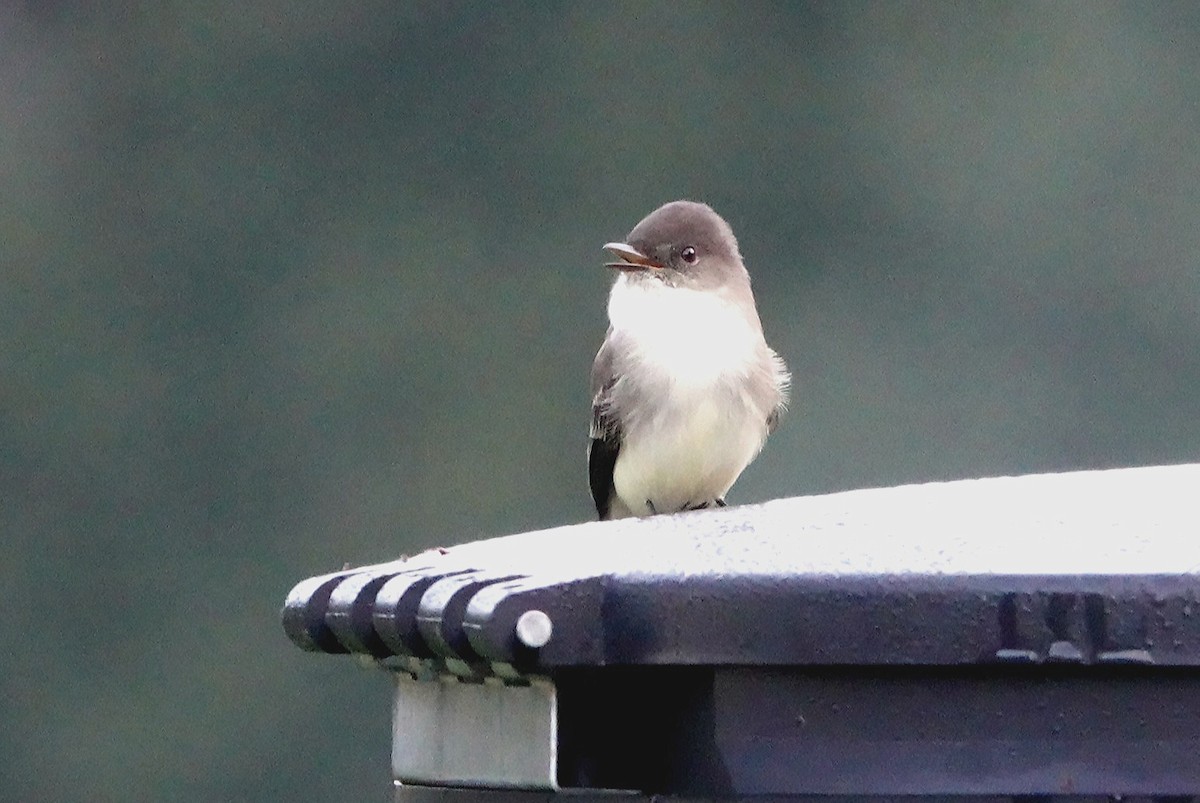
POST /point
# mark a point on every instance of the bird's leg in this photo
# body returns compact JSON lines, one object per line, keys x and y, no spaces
{"x":689,"y":507}
{"x":704,"y":505}
{"x":653,"y":511}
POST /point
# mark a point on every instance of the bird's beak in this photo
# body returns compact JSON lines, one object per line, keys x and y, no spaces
{"x":629,"y":258}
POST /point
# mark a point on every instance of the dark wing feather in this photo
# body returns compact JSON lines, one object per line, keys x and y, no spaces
{"x":605,"y":433}
{"x":602,"y":459}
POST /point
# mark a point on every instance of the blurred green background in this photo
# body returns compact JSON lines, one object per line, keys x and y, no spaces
{"x":289,"y":285}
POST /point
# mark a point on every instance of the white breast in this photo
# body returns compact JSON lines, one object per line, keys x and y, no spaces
{"x":692,"y":352}
{"x":695,"y":336}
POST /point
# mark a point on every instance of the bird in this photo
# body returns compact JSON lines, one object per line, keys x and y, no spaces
{"x":685,"y":389}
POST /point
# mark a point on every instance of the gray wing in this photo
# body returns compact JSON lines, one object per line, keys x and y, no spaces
{"x":605,"y":433}
{"x":774,"y":416}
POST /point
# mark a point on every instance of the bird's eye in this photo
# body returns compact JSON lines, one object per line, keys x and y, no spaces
{"x":689,"y":255}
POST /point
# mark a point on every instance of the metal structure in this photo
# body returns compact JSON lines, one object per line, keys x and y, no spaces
{"x":1005,"y":637}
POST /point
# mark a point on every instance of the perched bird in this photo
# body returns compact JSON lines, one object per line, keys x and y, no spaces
{"x":685,"y":389}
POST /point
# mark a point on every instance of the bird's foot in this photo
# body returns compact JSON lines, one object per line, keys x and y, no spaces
{"x":705,"y":505}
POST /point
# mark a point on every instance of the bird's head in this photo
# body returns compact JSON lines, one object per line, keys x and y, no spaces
{"x":683,"y":244}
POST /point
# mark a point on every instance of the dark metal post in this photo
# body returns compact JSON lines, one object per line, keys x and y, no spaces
{"x":1031,"y":636}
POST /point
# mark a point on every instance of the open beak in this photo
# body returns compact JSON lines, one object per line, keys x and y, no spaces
{"x":629,"y":258}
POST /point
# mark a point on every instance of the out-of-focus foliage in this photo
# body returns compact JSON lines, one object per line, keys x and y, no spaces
{"x":287,"y":285}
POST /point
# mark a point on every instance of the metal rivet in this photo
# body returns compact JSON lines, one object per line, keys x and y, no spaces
{"x":534,"y":629}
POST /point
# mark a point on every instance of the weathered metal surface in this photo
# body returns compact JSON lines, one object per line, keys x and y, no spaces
{"x":1092,"y":568}
{"x":1030,"y":636}
{"x":486,"y":734}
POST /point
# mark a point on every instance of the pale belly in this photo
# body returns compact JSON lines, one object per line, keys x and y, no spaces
{"x":688,"y":456}
{"x":688,"y":432}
